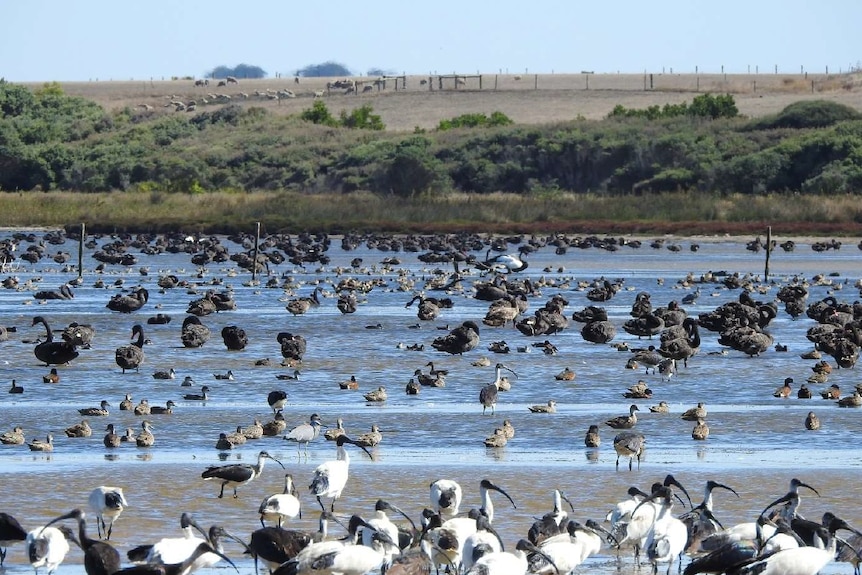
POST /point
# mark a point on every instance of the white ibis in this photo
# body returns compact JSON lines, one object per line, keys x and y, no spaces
{"x":330,"y":477}
{"x":237,"y":474}
{"x":48,"y":546}
{"x":100,"y":558}
{"x":380,"y":523}
{"x":505,"y":562}
{"x":700,"y":521}
{"x":169,"y":549}
{"x":446,"y":497}
{"x":281,"y":505}
{"x":107,"y":503}
{"x":182,"y":568}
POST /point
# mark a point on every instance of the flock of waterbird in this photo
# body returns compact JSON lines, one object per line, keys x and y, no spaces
{"x":779,"y":541}
{"x":449,"y":539}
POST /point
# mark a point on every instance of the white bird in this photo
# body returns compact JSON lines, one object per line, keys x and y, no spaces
{"x":237,"y":474}
{"x":107,"y":504}
{"x":446,"y":497}
{"x":170,"y":549}
{"x":48,"y":546}
{"x":668,"y":536}
{"x":330,"y":477}
{"x":799,"y":560}
{"x":380,"y":523}
{"x":507,"y":563}
{"x":281,"y":505}
{"x":485,"y":538}
{"x":328,"y":557}
{"x":568,"y":549}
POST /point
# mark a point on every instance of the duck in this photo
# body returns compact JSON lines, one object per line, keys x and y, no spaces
{"x":508,"y":429}
{"x":370,"y":439}
{"x":111,"y":439}
{"x":701,"y":430}
{"x":39,"y":445}
{"x":784,"y":390}
{"x":253,"y":431}
{"x":551,"y":407}
{"x":14,"y":437}
{"x":169,"y":374}
{"x":143,"y":408}
{"x":566,"y":375}
{"x":804,"y":392}
{"x":592,"y":438}
{"x":79,"y":335}
{"x":349,"y":383}
{"x":52,"y":377}
{"x":127,"y":404}
{"x":82,"y":429}
{"x":224,"y":376}
{"x":145,"y":438}
{"x":662,"y":407}
{"x":332,"y":434}
{"x":412,"y":387}
{"x":167,"y":409}
{"x":289,"y":376}
{"x":301,"y":305}
{"x":276,"y":426}
{"x":202,"y":396}
{"x":640,"y":390}
{"x":812,"y":423}
{"x":832,"y":392}
{"x":854,"y":400}
{"x":695,"y":412}
{"x":378,"y":395}
{"x":624,"y":421}
{"x":101,"y":411}
{"x":132,"y":356}
{"x":496,"y":439}
{"x":50,"y":351}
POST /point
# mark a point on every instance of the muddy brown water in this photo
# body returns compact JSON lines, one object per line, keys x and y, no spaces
{"x":757,"y":442}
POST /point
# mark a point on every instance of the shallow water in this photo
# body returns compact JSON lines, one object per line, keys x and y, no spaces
{"x":757,"y":442}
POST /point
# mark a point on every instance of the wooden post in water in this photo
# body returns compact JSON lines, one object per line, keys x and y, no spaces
{"x":254,"y":259}
{"x":768,"y":251}
{"x":81,"y":251}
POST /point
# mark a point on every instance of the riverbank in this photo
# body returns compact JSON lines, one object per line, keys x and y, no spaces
{"x":680,"y":214}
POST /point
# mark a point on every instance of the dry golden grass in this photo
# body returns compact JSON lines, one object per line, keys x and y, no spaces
{"x":527,"y":99}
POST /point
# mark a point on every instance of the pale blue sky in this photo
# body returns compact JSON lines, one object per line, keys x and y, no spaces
{"x":42,"y":40}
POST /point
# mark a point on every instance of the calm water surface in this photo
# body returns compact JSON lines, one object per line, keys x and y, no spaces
{"x":757,"y":442}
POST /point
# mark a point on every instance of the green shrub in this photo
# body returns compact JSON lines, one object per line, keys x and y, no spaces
{"x":318,"y":114}
{"x":475,"y":120}
{"x":809,"y":114}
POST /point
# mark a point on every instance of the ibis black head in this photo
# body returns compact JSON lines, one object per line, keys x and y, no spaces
{"x":486,"y":484}
{"x":710,"y":485}
{"x":670,"y":480}
{"x":795,"y":484}
{"x":264,"y":454}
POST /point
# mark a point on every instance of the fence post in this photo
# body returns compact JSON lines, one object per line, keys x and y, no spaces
{"x":536,"y":82}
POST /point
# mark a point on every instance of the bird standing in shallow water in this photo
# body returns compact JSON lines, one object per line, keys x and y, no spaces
{"x":305,"y":433}
{"x":701,"y":430}
{"x":237,"y":474}
{"x":330,"y":477}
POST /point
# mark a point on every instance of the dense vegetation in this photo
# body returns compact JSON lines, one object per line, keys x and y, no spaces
{"x":238,"y":71}
{"x":327,"y":69}
{"x":51,"y":141}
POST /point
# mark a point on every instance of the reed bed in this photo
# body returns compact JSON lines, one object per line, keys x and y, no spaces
{"x":223,"y":212}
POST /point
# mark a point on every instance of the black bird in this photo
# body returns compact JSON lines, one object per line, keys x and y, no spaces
{"x":237,"y":474}
{"x":10,"y":532}
{"x":194,"y":333}
{"x":127,"y":303}
{"x":202,"y":396}
{"x":16,"y":388}
{"x":50,"y":351}
{"x":234,"y":337}
{"x":461,"y":339}
{"x":175,"y":568}
{"x":132,"y":356}
{"x":276,"y":399}
{"x":100,"y":557}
